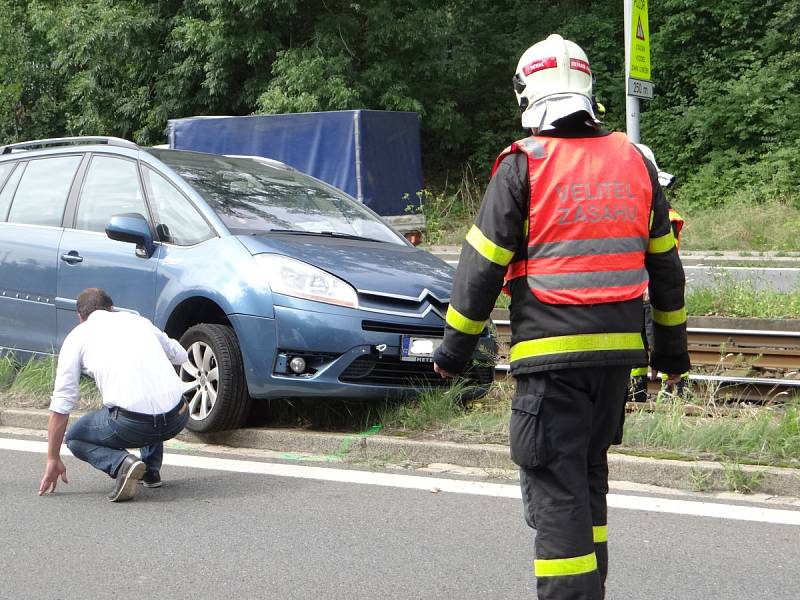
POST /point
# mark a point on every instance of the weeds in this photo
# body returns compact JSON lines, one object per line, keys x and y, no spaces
{"x":35,"y":379}
{"x":434,"y":409}
{"x":738,"y":480}
{"x":765,"y":435}
{"x":448,"y":215}
{"x":699,"y":480}
{"x":32,"y":384}
{"x":8,"y":371}
{"x":715,"y":431}
{"x":442,"y":411}
{"x":769,"y":226}
{"x":741,"y":299}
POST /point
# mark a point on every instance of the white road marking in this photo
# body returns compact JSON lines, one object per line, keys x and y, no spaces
{"x":455,"y":486}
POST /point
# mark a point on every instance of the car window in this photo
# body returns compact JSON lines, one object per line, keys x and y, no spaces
{"x":250,"y":197}
{"x":111,"y":188}
{"x":7,"y":190}
{"x":42,"y":192}
{"x":5,"y":169}
{"x":177,"y":221}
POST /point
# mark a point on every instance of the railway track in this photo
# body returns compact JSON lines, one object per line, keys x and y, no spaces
{"x":751,"y":365}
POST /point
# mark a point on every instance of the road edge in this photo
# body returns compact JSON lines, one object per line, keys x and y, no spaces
{"x":677,"y":474}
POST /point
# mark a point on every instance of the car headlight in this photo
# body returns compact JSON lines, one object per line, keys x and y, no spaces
{"x":300,"y":280}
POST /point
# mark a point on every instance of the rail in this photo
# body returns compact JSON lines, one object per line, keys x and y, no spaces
{"x":752,"y":365}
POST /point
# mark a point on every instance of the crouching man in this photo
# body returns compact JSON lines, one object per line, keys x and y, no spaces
{"x":131,"y":361}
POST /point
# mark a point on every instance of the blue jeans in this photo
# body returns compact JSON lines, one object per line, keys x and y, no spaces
{"x":101,"y":437}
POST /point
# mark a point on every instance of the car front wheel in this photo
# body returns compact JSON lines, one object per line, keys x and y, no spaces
{"x":214,"y":383}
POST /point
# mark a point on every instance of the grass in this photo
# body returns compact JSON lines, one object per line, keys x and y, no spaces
{"x":768,"y":435}
{"x":757,"y":435}
{"x":729,"y":298}
{"x":31,"y":385}
{"x":749,"y":226}
{"x":441,"y":412}
{"x":737,"y":480}
{"x":744,"y":226}
{"x":740,"y":299}
{"x":8,"y":372}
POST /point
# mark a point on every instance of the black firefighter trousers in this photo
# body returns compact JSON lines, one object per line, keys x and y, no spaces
{"x":562,"y":424}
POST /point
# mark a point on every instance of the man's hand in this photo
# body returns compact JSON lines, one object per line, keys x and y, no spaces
{"x":444,"y":374}
{"x":53,"y":470}
{"x":671,"y":380}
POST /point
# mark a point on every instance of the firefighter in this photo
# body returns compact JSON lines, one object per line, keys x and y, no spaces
{"x":574,"y":221}
{"x":640,"y":374}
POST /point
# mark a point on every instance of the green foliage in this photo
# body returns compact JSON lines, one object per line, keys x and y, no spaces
{"x":728,"y":92}
{"x":729,"y":298}
{"x":448,"y":214}
{"x":433,"y":409}
{"x":752,"y":224}
{"x":727,"y":74}
{"x":739,"y":480}
{"x":35,"y":379}
{"x":770,"y":435}
{"x":33,"y":383}
{"x":8,"y":371}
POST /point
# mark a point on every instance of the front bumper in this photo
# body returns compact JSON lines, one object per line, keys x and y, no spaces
{"x":351,"y":354}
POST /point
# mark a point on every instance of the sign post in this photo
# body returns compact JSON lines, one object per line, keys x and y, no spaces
{"x":637,"y":63}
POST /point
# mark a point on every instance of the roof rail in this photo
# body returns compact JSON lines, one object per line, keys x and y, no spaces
{"x":66,"y":141}
{"x":270,"y":162}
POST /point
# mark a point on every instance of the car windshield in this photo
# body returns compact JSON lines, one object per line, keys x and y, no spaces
{"x":252,"y":197}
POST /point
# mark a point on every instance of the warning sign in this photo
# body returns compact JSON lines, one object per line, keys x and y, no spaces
{"x":640,"y":42}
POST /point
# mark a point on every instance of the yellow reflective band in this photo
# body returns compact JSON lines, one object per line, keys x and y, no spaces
{"x":555,"y":567}
{"x":487,"y":248}
{"x":600,"y":534}
{"x":639,"y":372}
{"x":669,"y":317}
{"x":674,"y":215}
{"x":652,"y":214}
{"x":525,"y":228}
{"x":461,"y":323}
{"x":589,"y":342}
{"x":665,"y":243}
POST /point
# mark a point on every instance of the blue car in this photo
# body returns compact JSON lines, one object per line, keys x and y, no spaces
{"x":279,"y":285}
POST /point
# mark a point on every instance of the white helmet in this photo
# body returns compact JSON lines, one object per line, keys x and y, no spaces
{"x":553,"y":80}
{"x":664,"y":179}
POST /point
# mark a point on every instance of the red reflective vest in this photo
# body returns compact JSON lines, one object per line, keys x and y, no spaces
{"x":589,"y":219}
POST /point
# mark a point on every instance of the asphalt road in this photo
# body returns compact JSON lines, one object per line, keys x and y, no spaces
{"x":216,"y":530}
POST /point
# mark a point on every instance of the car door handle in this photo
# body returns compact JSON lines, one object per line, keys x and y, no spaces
{"x":72,"y":257}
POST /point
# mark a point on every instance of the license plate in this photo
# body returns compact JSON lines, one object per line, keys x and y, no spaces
{"x":418,"y":349}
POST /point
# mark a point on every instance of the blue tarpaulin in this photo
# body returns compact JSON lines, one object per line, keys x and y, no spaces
{"x":372,"y":155}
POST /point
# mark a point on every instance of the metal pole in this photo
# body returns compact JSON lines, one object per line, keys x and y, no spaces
{"x":631,"y":102}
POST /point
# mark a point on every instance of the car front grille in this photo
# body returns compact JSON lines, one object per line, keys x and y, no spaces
{"x":401,"y":328}
{"x":390,"y":370}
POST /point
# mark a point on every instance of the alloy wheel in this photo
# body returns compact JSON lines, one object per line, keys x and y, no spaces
{"x":200,"y":376}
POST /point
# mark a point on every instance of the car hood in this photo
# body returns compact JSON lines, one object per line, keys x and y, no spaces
{"x":379,"y":267}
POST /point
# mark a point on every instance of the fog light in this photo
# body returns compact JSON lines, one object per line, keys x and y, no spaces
{"x":297,"y":365}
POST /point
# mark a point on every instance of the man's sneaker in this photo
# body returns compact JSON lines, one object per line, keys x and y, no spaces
{"x":151,"y":479}
{"x":129,"y":472}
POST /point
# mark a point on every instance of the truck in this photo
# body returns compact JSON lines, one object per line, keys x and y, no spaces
{"x":372,"y":155}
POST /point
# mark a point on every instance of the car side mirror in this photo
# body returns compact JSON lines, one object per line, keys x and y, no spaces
{"x":132,"y":228}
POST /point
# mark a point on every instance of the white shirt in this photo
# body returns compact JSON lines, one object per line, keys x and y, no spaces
{"x":129,"y":358}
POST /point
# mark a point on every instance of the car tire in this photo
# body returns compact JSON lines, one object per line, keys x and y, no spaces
{"x":214,"y":375}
